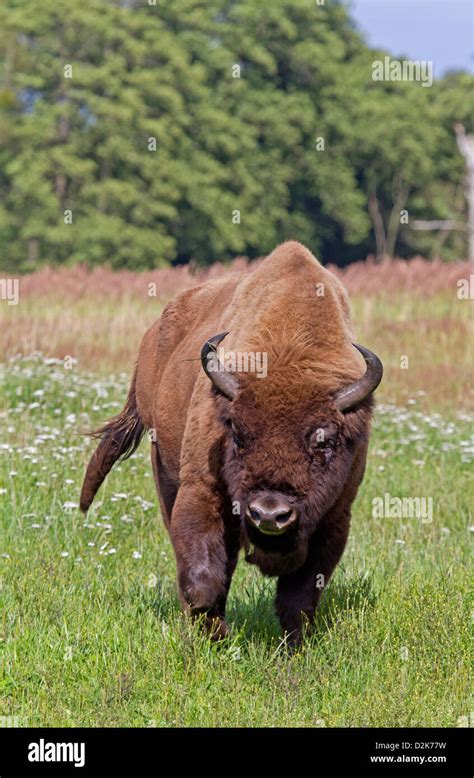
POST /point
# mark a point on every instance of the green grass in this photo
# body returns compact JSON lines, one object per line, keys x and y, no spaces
{"x":91,"y":633}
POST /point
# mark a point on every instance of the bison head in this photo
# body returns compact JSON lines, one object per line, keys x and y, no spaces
{"x":289,"y":451}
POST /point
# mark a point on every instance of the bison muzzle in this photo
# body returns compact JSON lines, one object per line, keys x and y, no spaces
{"x":268,"y":463}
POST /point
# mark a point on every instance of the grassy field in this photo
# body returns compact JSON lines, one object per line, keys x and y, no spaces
{"x":91,"y":633}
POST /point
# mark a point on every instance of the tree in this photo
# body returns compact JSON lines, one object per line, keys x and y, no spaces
{"x":140,"y":134}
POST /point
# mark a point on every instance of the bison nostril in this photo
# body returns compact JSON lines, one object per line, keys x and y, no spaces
{"x":283,"y":518}
{"x":255,"y":515}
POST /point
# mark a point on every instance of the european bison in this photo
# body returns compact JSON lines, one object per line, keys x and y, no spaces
{"x":267,"y":460}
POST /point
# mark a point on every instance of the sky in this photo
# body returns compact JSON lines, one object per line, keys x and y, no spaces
{"x":438,"y":30}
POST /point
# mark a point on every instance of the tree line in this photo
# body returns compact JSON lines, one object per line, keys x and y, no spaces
{"x":147,"y":133}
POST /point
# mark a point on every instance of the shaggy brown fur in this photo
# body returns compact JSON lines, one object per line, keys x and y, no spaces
{"x":211,"y":456}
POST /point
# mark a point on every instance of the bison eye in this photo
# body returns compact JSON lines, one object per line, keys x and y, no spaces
{"x":324,"y":455}
{"x":322,"y":443}
{"x":325,"y":435}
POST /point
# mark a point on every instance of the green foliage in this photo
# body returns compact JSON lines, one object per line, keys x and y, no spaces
{"x":234,"y":166}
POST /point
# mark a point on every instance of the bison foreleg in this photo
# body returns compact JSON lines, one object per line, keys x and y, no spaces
{"x":299,"y":592}
{"x":206,"y":555}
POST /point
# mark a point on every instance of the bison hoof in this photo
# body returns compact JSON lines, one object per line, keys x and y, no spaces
{"x":214,"y":626}
{"x":217,"y":628}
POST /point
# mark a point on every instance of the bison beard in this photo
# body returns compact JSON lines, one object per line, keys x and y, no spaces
{"x":269,"y":464}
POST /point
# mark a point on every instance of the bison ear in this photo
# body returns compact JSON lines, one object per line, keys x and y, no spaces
{"x":223,"y":379}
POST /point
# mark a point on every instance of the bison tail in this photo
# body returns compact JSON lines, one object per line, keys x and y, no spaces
{"x":119,"y":438}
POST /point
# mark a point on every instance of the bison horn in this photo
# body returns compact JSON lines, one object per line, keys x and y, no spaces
{"x":352,"y":394}
{"x":225,"y":381}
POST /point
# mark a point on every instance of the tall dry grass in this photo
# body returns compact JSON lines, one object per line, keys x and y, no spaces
{"x":417,"y":276}
{"x":404,"y":310}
